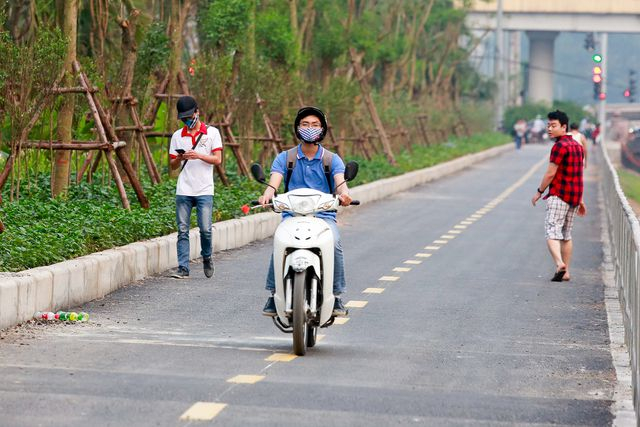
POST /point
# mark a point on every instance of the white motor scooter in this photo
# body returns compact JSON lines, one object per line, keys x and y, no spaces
{"x":303,"y":261}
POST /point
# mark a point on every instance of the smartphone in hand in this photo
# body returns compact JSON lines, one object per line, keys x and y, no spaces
{"x":179,"y":151}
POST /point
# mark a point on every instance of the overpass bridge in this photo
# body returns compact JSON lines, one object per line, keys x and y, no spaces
{"x":543,"y":20}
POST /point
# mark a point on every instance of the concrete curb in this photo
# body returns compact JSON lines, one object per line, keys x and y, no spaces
{"x":74,"y":282}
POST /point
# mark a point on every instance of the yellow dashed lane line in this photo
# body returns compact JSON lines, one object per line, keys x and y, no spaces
{"x":356,"y":304}
{"x":281,"y":357}
{"x":202,"y":411}
{"x":373,"y":291}
{"x":245,"y":379}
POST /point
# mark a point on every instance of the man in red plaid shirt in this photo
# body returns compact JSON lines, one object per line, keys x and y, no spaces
{"x":564,"y":199}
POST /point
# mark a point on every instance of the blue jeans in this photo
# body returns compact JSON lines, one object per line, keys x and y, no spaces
{"x":518,"y":140}
{"x":204,"y":210}
{"x":339,"y":284}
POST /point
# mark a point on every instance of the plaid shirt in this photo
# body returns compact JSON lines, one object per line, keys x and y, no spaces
{"x":567,"y":184}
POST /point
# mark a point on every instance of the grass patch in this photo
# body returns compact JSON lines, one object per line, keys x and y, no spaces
{"x":42,"y":231}
{"x":630,"y":183}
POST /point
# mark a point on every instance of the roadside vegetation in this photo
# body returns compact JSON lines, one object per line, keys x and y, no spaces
{"x":42,"y":231}
{"x":630,"y":183}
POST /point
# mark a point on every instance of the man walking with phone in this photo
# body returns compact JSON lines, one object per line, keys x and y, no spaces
{"x":565,"y":197}
{"x":195,"y":149}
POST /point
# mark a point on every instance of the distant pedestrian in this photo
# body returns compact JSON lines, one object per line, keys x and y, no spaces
{"x":565,"y":197}
{"x":195,"y":148}
{"x":520,"y":130}
{"x":575,"y":133}
{"x":537,"y":129}
{"x":595,"y":135}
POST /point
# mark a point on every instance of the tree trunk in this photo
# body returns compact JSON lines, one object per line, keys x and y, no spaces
{"x":62,"y":164}
{"x":247,"y":145}
{"x":122,"y":88}
{"x":178,"y":15}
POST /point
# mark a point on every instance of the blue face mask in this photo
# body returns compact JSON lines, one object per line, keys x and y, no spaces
{"x":310,"y":134}
{"x":190,"y":123}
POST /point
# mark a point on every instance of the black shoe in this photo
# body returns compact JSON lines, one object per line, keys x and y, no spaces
{"x":208,"y":266}
{"x":180,"y":273}
{"x":270,"y":308}
{"x":339,"y":309}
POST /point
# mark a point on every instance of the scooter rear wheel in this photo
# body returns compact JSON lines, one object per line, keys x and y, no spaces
{"x":300,"y":313}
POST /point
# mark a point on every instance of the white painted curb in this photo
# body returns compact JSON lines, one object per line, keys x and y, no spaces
{"x":74,"y":282}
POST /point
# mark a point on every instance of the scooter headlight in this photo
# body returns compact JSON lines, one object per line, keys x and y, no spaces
{"x":303,"y":204}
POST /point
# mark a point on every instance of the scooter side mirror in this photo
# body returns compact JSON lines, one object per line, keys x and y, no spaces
{"x":351,"y":170}
{"x":258,"y":173}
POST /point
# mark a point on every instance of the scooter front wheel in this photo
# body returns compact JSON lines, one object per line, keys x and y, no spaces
{"x":300,"y":313}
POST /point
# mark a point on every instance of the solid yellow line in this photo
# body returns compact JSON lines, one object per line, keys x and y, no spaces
{"x":281,"y":357}
{"x":246,"y":379}
{"x":203,"y":411}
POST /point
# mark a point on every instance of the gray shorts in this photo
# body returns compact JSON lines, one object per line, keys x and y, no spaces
{"x":559,"y":220}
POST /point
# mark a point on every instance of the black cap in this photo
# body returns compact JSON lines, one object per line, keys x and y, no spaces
{"x":186,"y":106}
{"x":310,"y":111}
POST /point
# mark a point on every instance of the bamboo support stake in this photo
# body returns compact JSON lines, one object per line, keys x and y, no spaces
{"x":366,"y":94}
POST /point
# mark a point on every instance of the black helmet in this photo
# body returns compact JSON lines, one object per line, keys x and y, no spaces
{"x":310,"y":111}
{"x":186,"y":106}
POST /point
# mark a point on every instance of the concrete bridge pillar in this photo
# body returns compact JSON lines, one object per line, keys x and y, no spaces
{"x":541,"y":66}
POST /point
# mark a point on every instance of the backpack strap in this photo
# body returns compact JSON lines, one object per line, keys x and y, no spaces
{"x":195,"y":144}
{"x":327,"y":160}
{"x":292,"y":157}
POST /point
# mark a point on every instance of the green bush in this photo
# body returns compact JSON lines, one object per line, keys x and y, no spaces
{"x":42,"y":231}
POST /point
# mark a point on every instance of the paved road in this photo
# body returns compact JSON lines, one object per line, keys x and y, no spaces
{"x":473,"y":333}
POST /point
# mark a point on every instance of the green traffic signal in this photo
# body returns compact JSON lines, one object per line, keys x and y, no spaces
{"x":597,"y":58}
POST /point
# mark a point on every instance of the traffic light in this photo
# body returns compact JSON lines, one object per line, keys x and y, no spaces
{"x":597,"y":90}
{"x":597,"y":58}
{"x":627,"y":93}
{"x":589,"y":42}
{"x":597,"y":80}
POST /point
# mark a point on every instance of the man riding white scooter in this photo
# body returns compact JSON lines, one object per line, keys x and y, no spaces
{"x":309,"y":165}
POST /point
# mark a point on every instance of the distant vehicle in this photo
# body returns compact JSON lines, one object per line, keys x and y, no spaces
{"x":630,"y":150}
